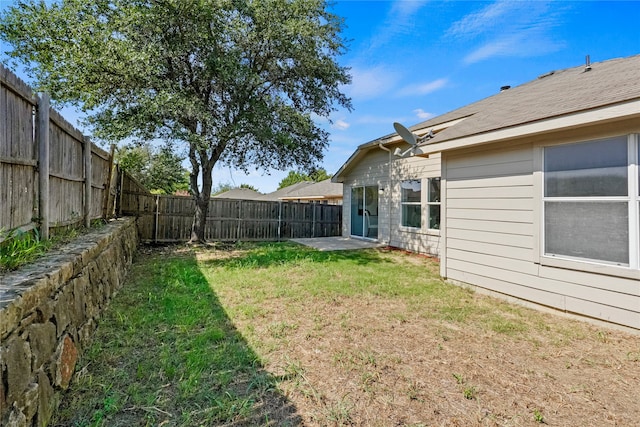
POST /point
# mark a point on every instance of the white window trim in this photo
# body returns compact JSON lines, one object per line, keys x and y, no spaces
{"x":420,"y":203}
{"x":428,"y":203}
{"x":633,"y":201}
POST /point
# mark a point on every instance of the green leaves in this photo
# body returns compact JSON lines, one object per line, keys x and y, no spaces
{"x":294,"y":177}
{"x":238,"y":81}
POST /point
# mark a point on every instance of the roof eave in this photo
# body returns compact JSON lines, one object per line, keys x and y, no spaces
{"x":420,"y":129}
{"x":329,"y":196}
{"x":622,"y":111}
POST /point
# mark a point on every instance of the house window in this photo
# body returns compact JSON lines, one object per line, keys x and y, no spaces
{"x":433,"y":203}
{"x":590,"y":211}
{"x":411,"y":198}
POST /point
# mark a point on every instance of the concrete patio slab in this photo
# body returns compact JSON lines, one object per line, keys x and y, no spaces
{"x":337,"y":243}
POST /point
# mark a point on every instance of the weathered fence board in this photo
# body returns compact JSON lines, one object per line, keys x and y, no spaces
{"x":18,"y":180}
{"x":169,"y":218}
{"x":20,"y":164}
{"x":74,"y":181}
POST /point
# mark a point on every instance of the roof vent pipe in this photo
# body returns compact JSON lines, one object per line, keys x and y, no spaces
{"x":503,"y":88}
{"x":587,"y":65}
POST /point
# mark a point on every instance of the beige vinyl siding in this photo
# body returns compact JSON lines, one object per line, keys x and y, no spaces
{"x":372,"y":169}
{"x":492,"y":240}
{"x":420,"y":240}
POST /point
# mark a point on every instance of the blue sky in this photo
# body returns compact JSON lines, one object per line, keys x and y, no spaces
{"x":411,"y":60}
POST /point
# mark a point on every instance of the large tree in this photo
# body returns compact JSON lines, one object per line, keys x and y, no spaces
{"x":236,"y":81}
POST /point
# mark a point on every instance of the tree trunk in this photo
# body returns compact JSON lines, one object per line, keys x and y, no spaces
{"x":199,"y":221}
{"x":202,"y":204}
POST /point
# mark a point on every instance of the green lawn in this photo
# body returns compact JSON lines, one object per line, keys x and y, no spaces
{"x":279,"y":334}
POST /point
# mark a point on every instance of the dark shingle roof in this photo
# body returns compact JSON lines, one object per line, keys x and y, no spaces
{"x":553,"y":94}
{"x":239,"y":194}
{"x":276,"y":195}
{"x":322,"y":189}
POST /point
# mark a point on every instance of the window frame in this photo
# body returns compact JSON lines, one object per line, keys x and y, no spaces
{"x":404,"y":203}
{"x":632,"y":199}
{"x":429,"y":203}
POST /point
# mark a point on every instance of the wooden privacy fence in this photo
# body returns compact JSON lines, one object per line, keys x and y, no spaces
{"x":82,"y":185}
{"x":169,"y":218}
{"x":35,"y":138}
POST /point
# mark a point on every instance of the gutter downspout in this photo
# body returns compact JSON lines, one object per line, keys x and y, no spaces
{"x":382,"y":147}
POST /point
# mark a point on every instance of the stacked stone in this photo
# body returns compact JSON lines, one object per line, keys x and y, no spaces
{"x":48,"y":312}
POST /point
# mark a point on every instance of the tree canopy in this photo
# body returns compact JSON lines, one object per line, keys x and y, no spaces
{"x":294,"y":177}
{"x":235,"y":81}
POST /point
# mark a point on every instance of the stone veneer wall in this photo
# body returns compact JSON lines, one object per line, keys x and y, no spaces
{"x":48,"y":312}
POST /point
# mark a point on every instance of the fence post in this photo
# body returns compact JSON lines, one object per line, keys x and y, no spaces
{"x":239,"y":219}
{"x":43,"y":164}
{"x":87,"y":181}
{"x":279,"y":220}
{"x":155,"y":232}
{"x":119,"y":192}
{"x":107,"y":194}
{"x":313,"y":222}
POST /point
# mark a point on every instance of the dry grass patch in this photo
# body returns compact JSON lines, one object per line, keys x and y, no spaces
{"x":416,"y":351}
{"x":367,"y":338}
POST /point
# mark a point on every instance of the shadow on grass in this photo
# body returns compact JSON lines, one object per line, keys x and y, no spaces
{"x":263,"y":255}
{"x":165,"y":353}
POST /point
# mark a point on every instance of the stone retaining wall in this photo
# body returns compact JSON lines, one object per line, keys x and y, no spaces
{"x":48,"y":312}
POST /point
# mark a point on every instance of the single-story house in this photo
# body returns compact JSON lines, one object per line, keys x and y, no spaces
{"x":325,"y":192}
{"x":239,"y":194}
{"x":532,"y":193}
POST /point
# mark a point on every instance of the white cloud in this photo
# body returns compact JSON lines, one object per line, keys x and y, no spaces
{"x":370,"y":83}
{"x":478,"y":22}
{"x":491,"y":49}
{"x":405,"y":9}
{"x":423,"y":88}
{"x":399,"y":20}
{"x":509,"y":28}
{"x":423,"y":115}
{"x":376,"y":120}
{"x":526,"y":44}
{"x":340,"y":125}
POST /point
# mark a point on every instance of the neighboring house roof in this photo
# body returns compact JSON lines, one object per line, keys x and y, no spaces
{"x":278,"y":194}
{"x":240,"y":194}
{"x":608,"y":90}
{"x":316,"y":191}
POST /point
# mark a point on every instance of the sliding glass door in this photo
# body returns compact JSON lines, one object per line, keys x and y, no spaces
{"x":364,"y":211}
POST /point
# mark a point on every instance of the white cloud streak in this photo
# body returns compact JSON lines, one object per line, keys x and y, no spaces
{"x":423,"y":88}
{"x":371,"y":83}
{"x":508,"y":28}
{"x":477,"y":23}
{"x":423,"y":115}
{"x":340,"y":125}
{"x":399,"y":20}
